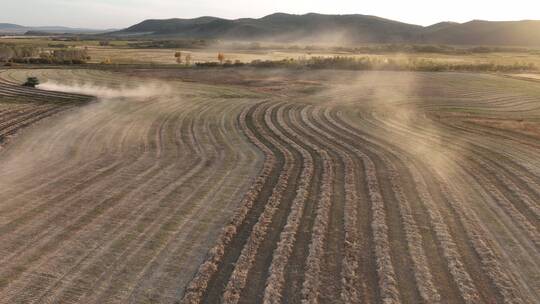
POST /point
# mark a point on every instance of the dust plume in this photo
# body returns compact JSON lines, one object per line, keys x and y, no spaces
{"x":113,"y":125}
{"x":148,"y":90}
{"x":395,"y":107}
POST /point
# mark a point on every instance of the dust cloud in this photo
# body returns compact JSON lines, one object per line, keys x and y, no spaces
{"x":114,"y":126}
{"x":395,"y":107}
{"x":148,"y":90}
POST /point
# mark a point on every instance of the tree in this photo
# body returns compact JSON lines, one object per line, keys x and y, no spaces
{"x":178,"y":56}
{"x":70,"y":54}
{"x":221,"y":57}
{"x":6,"y":53}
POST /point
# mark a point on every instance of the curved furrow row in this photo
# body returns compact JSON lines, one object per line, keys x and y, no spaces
{"x":462,"y":278}
{"x":23,"y":114}
{"x":298,"y":132}
{"x":414,"y":240}
{"x":85,"y":218}
{"x":354,"y":286}
{"x":490,"y":260}
{"x":520,"y":175}
{"x":294,"y":272}
{"x":36,"y":216}
{"x":127,"y":197}
{"x":279,"y":135}
{"x":388,"y":285}
{"x":374,"y":198}
{"x":498,"y":133}
{"x":387,"y":278}
{"x":152,"y":179}
{"x":257,"y":224}
{"x":449,"y":249}
{"x":244,"y":263}
{"x":324,"y":233}
{"x":195,"y":291}
{"x":517,"y":164}
{"x":166,"y":286}
{"x":352,"y":259}
{"x":176,"y":218}
{"x":353,"y":281}
{"x":10,"y":127}
{"x":83,"y":260}
{"x":312,"y":282}
{"x":37,"y":94}
{"x":280,"y":258}
{"x":517,"y":255}
{"x":503,"y":281}
{"x":73,"y":166}
{"x":38,"y":105}
{"x":523,"y":218}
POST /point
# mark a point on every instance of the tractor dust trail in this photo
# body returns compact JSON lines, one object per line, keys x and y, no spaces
{"x":152,"y":89}
{"x":105,"y":200}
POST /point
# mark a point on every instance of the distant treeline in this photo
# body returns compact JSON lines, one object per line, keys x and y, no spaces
{"x":375,"y":63}
{"x":437,"y":49}
{"x":361,"y":49}
{"x":8,"y":52}
{"x":28,"y":54}
{"x":383,"y":48}
{"x":172,"y":44}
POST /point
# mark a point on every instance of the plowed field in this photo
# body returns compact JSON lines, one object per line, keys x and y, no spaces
{"x":373,"y":187}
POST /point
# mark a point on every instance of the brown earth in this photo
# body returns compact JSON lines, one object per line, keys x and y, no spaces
{"x":333,"y":187}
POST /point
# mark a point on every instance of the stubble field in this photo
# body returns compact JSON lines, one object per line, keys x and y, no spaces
{"x":268,"y":186}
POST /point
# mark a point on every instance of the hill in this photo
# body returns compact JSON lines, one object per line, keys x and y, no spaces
{"x":15,"y":29}
{"x":340,"y":29}
{"x":282,"y":27}
{"x":11,"y":28}
{"x":478,"y":32}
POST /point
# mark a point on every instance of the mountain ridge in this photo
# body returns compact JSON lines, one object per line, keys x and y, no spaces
{"x":345,"y":29}
{"x":352,"y":28}
{"x":16,"y":29}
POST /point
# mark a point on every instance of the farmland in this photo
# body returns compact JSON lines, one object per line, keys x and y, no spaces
{"x":269,"y":186}
{"x":21,"y":107}
{"x":125,"y":52}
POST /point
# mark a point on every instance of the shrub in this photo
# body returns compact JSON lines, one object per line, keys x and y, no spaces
{"x":221,"y":57}
{"x":377,"y":63}
{"x":70,"y":54}
{"x":207,"y":64}
{"x":57,"y":45}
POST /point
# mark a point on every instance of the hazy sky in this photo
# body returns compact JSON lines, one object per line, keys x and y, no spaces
{"x":123,"y":13}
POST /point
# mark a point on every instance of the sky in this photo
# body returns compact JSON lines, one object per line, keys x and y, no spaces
{"x":106,"y":14}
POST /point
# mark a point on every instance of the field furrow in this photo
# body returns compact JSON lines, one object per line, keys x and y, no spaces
{"x":127,"y":185}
